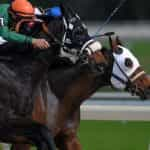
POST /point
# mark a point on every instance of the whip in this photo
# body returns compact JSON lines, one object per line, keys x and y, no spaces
{"x":115,"y":10}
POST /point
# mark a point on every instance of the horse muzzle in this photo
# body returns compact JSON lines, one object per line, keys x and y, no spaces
{"x":143,"y":88}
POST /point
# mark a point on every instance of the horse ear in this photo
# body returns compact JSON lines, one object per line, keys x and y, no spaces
{"x":113,"y":44}
{"x":118,"y":41}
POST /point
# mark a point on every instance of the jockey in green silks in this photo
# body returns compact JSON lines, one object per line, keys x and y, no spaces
{"x":11,"y":14}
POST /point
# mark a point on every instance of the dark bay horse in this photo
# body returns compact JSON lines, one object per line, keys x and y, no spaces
{"x":58,"y":106}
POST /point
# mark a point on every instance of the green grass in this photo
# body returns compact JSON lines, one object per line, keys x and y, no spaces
{"x":114,"y":135}
{"x":141,"y":49}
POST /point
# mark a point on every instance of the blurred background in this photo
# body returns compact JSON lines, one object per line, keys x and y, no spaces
{"x":130,"y":128}
{"x":96,"y":10}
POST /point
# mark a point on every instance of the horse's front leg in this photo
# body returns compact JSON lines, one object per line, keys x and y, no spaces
{"x":68,"y":139}
{"x":72,"y":142}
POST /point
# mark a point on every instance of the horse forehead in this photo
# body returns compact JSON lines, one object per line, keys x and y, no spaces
{"x":120,"y":59}
{"x":125,"y":54}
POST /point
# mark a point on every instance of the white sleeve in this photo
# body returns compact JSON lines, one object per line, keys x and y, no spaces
{"x":37,"y":11}
{"x":1,"y":22}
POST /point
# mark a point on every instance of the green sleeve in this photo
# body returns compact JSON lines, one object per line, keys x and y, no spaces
{"x":13,"y":36}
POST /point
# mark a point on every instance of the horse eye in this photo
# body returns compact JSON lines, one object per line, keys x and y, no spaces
{"x":128,"y":63}
{"x":118,"y":50}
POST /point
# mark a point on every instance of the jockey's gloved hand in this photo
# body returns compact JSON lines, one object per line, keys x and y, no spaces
{"x":40,"y":43}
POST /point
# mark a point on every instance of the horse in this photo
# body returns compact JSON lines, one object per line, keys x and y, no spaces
{"x":58,"y":106}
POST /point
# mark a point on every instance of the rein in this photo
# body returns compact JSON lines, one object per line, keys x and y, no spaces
{"x":115,"y":10}
{"x":51,"y":35}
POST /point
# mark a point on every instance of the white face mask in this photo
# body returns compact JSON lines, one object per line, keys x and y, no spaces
{"x":120,"y":69}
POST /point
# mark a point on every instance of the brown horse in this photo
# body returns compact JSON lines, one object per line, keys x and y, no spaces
{"x":58,"y":102}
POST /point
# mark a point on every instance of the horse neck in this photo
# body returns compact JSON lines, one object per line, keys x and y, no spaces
{"x":81,"y":87}
{"x":78,"y":91}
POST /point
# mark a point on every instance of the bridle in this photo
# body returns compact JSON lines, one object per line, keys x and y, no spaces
{"x":127,"y":81}
{"x":130,"y":81}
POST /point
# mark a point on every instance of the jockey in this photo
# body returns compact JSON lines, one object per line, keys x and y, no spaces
{"x":10,"y":14}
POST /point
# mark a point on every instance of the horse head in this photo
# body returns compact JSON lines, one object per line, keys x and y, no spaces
{"x":127,"y":73}
{"x":122,"y":68}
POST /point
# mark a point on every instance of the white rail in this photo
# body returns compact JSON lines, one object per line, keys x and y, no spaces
{"x":116,"y":110}
{"x":113,"y":95}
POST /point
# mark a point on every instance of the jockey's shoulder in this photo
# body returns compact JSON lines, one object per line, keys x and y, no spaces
{"x":4,"y":8}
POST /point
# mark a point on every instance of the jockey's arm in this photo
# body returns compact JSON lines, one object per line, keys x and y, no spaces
{"x":13,"y":36}
{"x":5,"y":32}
